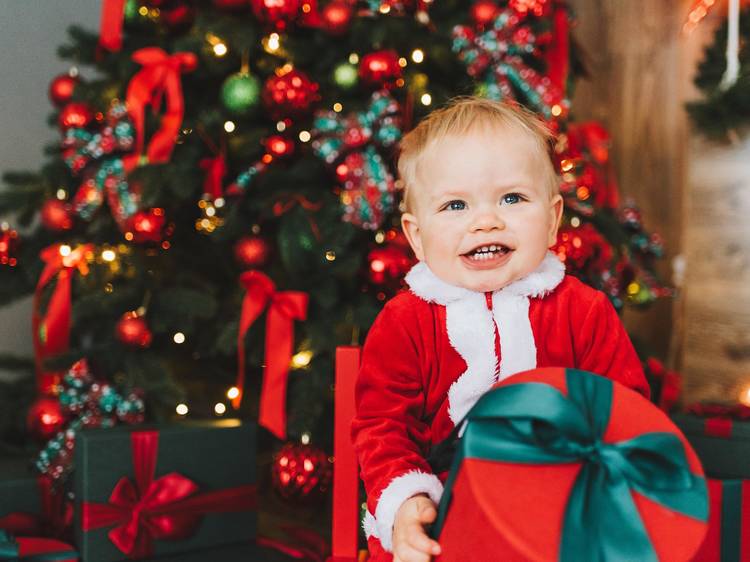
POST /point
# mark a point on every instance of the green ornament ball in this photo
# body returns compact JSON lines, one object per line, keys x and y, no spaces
{"x":131,"y":11}
{"x":345,"y":75}
{"x":240,"y":93}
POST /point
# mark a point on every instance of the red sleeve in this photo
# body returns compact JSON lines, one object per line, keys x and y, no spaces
{"x":389,"y":431}
{"x":602,"y":346}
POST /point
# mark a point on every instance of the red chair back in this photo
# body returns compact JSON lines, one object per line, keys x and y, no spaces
{"x":345,"y":524}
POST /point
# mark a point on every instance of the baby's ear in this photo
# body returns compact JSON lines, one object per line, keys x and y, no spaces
{"x":556,"y":210}
{"x":410,"y":226}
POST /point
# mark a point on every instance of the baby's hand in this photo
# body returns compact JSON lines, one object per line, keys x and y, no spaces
{"x":410,"y":542}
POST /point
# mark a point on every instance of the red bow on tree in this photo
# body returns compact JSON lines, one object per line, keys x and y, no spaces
{"x":52,"y":330}
{"x":159,"y":77}
{"x":283,"y":308}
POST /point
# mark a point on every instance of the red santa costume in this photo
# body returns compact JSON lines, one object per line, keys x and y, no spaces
{"x":435,"y":349}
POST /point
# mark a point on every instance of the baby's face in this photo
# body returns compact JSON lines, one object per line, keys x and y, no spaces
{"x":482,"y":215}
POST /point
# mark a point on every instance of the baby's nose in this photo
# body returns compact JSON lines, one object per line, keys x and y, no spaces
{"x":488,"y":220}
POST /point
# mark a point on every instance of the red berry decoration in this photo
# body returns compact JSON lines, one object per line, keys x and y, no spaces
{"x":146,"y":226}
{"x":61,"y":89}
{"x":337,"y":17}
{"x":279,"y":146}
{"x":484,"y":12}
{"x":252,"y":252}
{"x":77,"y":115}
{"x":277,"y":13}
{"x":56,"y":215}
{"x":291,"y":94}
{"x":380,"y":69}
{"x":301,"y":473}
{"x":133,"y":330}
{"x":45,"y":418}
{"x":177,"y":15}
{"x":8,"y":245}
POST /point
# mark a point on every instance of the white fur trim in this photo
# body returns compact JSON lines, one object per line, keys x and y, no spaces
{"x":472,"y":335}
{"x":397,"y":492}
{"x":369,"y":525}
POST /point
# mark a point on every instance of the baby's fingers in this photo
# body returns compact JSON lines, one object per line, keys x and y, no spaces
{"x":421,"y":542}
{"x":408,"y":554}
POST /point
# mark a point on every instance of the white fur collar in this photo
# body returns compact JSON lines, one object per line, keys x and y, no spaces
{"x":471,"y":331}
{"x":427,"y":286}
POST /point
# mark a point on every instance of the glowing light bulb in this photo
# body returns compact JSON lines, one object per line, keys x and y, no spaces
{"x":233,"y":393}
{"x":304,"y":136}
{"x":426,"y":99}
{"x":108,"y":255}
{"x":179,"y":337}
{"x":229,"y":126}
{"x":220,"y":408}
{"x":305,"y":438}
{"x":65,"y":250}
{"x":220,"y":49}
{"x":417,"y":55}
{"x":181,"y":409}
{"x":302,"y":359}
{"x":61,"y":194}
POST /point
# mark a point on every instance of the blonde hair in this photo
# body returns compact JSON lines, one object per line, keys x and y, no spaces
{"x":464,"y":114}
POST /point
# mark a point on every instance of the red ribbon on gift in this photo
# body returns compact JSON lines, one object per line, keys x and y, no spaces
{"x":165,"y":508}
{"x":720,"y":417}
{"x":216,"y":169}
{"x":283,"y":308}
{"x":159,"y":77}
{"x":110,"y":29}
{"x":55,"y":518}
{"x":56,"y":320}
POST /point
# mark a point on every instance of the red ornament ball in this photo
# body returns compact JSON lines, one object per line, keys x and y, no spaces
{"x":291,"y":94}
{"x":61,"y":89}
{"x":279,"y":146}
{"x":45,"y":418}
{"x":337,"y":17}
{"x":252,"y":252}
{"x":484,"y":12}
{"x":8,"y":246}
{"x":146,"y":226}
{"x":56,"y":215}
{"x":301,"y":473}
{"x":380,"y":69}
{"x":75,"y":115}
{"x":133,"y":330}
{"x":277,"y":13}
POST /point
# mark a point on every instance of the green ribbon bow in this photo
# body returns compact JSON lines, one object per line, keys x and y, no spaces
{"x":9,"y":551}
{"x":535,"y":423}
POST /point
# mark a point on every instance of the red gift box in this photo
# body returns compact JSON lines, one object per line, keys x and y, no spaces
{"x":728,"y":537}
{"x":560,"y":464}
{"x":35,"y":549}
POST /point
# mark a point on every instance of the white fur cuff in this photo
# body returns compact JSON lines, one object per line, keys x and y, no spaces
{"x":397,"y":492}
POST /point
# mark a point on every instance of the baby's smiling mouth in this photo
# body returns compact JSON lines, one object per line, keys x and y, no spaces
{"x":488,"y":251}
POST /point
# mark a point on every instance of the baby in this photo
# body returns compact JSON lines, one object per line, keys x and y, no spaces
{"x":486,"y":300}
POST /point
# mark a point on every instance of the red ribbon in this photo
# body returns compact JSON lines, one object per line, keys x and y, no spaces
{"x":283,"y":308}
{"x":216,"y":169}
{"x":159,"y":77}
{"x":166,"y":508}
{"x":56,"y":321}
{"x":720,"y":417}
{"x":55,"y":518}
{"x":110,"y":32}
{"x":557,"y":54}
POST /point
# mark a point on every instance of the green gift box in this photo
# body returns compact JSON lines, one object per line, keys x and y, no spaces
{"x":722,"y":443}
{"x":20,"y":504}
{"x":143,"y":493}
{"x":231,"y":553}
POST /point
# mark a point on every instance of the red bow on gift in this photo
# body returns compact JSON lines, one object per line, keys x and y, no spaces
{"x":159,"y":76}
{"x":52,"y":331}
{"x":164,"y":508}
{"x":283,"y":308}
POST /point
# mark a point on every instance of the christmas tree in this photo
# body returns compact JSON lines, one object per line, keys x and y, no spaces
{"x":221,"y":211}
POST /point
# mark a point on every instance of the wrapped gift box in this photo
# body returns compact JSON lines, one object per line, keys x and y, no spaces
{"x":728,"y":537}
{"x":560,"y":464}
{"x":142,"y":493}
{"x":35,"y":549}
{"x":722,"y":443}
{"x":20,"y":506}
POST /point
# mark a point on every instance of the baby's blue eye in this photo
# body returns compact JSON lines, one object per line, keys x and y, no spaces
{"x":456,"y":205}
{"x":512,"y":198}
